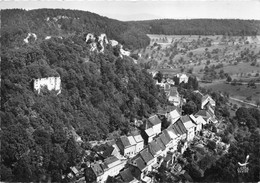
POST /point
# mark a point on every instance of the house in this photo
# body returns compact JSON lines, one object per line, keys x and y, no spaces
{"x":174,"y":96}
{"x":155,"y":123}
{"x":199,"y":121}
{"x":127,"y":176}
{"x":182,"y":78}
{"x":52,"y":83}
{"x":169,"y":160}
{"x":138,"y":140}
{"x":112,"y":166}
{"x":94,"y":173}
{"x":126,"y":147}
{"x":110,"y":151}
{"x":174,"y":115}
{"x":154,"y":149}
{"x":207,"y":116}
{"x":207,"y":99}
{"x":161,"y":145}
{"x":148,"y":158}
{"x":138,"y":168}
{"x":175,"y":138}
{"x":180,"y":129}
{"x":190,"y":126}
{"x":204,"y":114}
{"x":148,"y":135}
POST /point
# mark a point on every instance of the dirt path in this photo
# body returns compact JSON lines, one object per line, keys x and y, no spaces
{"x":252,"y":104}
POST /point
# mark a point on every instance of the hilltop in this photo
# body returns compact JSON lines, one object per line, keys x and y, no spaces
{"x":233,"y":27}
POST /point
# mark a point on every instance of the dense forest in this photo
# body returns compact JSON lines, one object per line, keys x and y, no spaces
{"x":100,"y":93}
{"x":200,"y":27}
{"x":17,"y":23}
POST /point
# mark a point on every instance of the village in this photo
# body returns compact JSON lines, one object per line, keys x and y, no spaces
{"x":156,"y":143}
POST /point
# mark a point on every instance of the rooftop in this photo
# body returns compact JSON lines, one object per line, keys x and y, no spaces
{"x":146,"y":155}
{"x":154,"y":147}
{"x":126,"y":175}
{"x":112,"y":161}
{"x":125,"y":141}
{"x":97,"y":169}
{"x":154,"y":120}
{"x":179,"y":127}
{"x":139,"y":163}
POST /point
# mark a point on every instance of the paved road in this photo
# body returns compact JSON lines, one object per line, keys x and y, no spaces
{"x":252,"y":104}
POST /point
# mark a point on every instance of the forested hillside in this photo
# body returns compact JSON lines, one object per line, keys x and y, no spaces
{"x":16,"y":23}
{"x":200,"y":27}
{"x":100,"y":92}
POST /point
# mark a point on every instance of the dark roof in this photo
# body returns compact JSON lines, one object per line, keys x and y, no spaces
{"x":167,"y":136}
{"x":202,"y":113}
{"x":154,"y":120}
{"x":110,"y":160}
{"x":139,"y":163}
{"x":97,"y":169}
{"x":173,"y":92}
{"x":125,"y":141}
{"x":179,"y":127}
{"x":104,"y":166}
{"x":154,"y":147}
{"x":146,"y":155}
{"x":185,"y":118}
{"x":111,"y":142}
{"x":160,"y":143}
{"x":126,"y":175}
{"x":108,"y":151}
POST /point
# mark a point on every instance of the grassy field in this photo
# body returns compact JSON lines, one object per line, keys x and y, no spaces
{"x":239,"y":92}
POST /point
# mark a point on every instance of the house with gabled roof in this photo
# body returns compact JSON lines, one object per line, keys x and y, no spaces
{"x":174,"y":115}
{"x":154,"y":149}
{"x":174,"y":137}
{"x":127,"y":176}
{"x":155,"y":123}
{"x":138,"y":167}
{"x":183,"y":78}
{"x":94,"y":173}
{"x":139,"y":141}
{"x":126,"y":146}
{"x":204,"y":114}
{"x":190,"y":126}
{"x":174,"y":97}
{"x":148,"y":158}
{"x":180,"y":129}
{"x":207,"y":99}
{"x":147,"y":134}
{"x":199,"y":121}
{"x":112,"y":167}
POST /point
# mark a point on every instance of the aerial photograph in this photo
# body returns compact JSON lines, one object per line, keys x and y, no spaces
{"x":130,"y":91}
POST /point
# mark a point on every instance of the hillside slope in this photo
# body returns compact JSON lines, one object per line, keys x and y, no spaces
{"x":199,"y":27}
{"x":101,"y":93}
{"x":17,"y":23}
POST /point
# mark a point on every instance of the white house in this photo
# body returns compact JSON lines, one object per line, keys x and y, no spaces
{"x":126,"y":147}
{"x":174,"y":96}
{"x":190,"y":126}
{"x":139,"y":141}
{"x":112,"y":167}
{"x":207,"y":99}
{"x":173,"y":116}
{"x":52,"y":83}
{"x":155,"y":123}
{"x":182,"y":78}
{"x":199,"y":121}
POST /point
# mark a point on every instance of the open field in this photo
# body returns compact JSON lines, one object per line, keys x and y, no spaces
{"x":240,"y":91}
